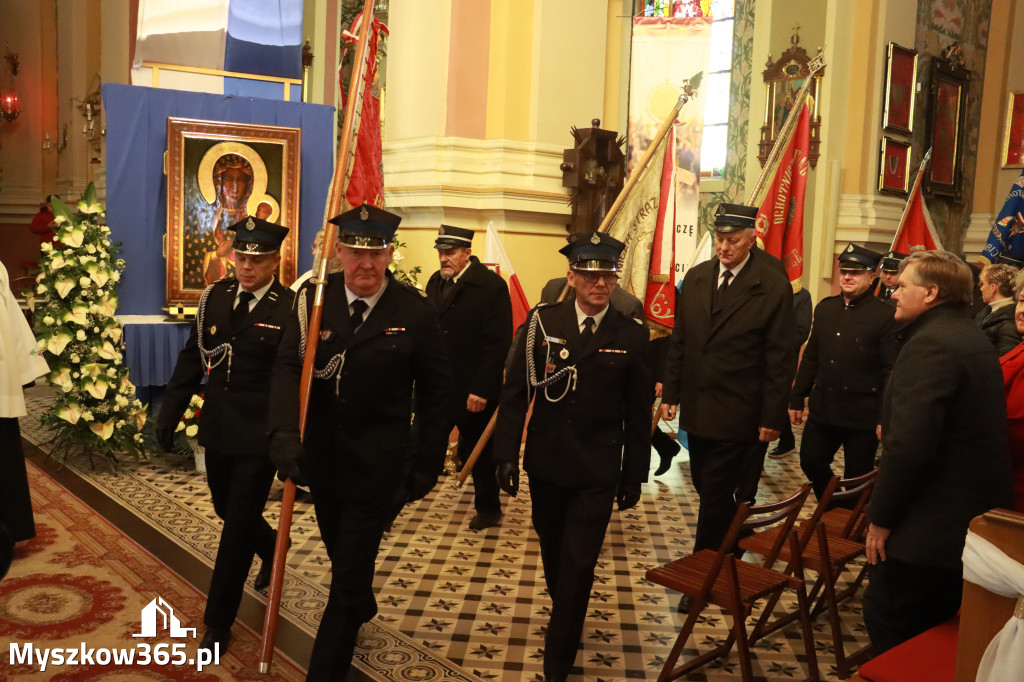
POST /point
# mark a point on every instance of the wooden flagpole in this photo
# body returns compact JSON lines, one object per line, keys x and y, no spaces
{"x":689,"y":88}
{"x":339,"y":183}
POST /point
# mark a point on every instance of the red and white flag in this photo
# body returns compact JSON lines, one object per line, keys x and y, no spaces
{"x":660,"y":298}
{"x":918,"y":232}
{"x":495,"y":253}
{"x":780,"y":218}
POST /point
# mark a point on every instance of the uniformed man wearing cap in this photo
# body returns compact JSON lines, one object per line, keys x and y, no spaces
{"x":730,"y":369}
{"x":475,"y":312}
{"x":238,"y":325}
{"x":844,"y":369}
{"x":377,"y":338}
{"x":889,"y":274}
{"x":588,"y":443}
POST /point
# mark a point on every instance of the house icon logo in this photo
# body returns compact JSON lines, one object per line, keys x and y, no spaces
{"x":157,"y":612}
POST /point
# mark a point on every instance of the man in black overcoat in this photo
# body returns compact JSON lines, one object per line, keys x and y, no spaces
{"x":944,"y":452}
{"x":475,"y":312}
{"x":377,"y":338}
{"x":730,"y":369}
{"x":588,"y":442}
{"x":239,"y":323}
{"x":844,"y":369}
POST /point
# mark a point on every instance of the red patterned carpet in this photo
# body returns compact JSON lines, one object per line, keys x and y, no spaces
{"x":81,"y":581}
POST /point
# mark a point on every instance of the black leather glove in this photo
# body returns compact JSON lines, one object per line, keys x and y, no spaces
{"x":419,"y":486}
{"x":507,"y":474}
{"x":286,"y":452}
{"x":164,"y":436}
{"x":629,"y":495}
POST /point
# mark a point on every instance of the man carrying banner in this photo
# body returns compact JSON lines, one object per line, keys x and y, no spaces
{"x":588,"y":443}
{"x":730,"y":369}
{"x":378,"y":337}
{"x":475,"y":313}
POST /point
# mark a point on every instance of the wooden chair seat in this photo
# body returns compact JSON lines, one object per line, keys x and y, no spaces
{"x":840,"y":551}
{"x":687,"y":575}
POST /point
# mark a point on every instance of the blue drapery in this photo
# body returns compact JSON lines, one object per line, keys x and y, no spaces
{"x":137,"y":188}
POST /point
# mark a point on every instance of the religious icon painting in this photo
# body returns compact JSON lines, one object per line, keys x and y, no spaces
{"x":900,"y":89}
{"x":1013,"y":136}
{"x":894,"y":173}
{"x":218,"y":173}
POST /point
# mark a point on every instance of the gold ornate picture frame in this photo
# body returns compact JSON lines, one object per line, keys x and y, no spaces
{"x":1013,"y":134}
{"x":900,"y":89}
{"x":217,"y":174}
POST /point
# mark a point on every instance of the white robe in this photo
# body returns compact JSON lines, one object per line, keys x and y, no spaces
{"x":20,"y":358}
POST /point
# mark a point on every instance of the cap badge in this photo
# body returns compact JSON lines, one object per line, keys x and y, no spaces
{"x":849,"y":248}
{"x":595,"y":239}
{"x":250,"y":225}
{"x":441,"y":231}
{"x":364,"y":214}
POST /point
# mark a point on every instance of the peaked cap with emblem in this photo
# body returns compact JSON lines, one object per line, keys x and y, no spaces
{"x":592,"y":252}
{"x":891,"y":261}
{"x":256,"y":236}
{"x":449,"y":237}
{"x":734,"y":217}
{"x":366,"y":227}
{"x":856,"y":257}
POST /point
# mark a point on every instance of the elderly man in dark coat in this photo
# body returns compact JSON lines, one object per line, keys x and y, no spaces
{"x":475,"y":312}
{"x":730,"y":369}
{"x":944,"y":452}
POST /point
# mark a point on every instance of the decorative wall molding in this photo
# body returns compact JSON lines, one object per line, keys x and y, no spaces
{"x":977,"y":234}
{"x":867,"y":219}
{"x":18,"y":203}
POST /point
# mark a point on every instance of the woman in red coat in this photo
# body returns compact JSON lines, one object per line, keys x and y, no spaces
{"x":1013,"y":381}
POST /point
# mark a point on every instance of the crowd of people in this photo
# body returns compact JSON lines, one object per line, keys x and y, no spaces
{"x":895,"y":372}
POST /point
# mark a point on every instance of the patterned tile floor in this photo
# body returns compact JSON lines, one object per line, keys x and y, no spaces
{"x":456,"y":604}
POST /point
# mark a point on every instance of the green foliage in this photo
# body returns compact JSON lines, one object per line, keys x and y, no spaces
{"x":96,"y":412}
{"x":410,"y":277}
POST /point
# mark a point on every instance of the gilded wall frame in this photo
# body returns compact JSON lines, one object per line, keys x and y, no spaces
{"x":900,"y":89}
{"x":1013,"y":134}
{"x":217,"y":174}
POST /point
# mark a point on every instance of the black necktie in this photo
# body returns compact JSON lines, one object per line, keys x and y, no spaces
{"x":588,"y":331}
{"x":358,"y":308}
{"x":723,"y":287}
{"x":241,"y":309}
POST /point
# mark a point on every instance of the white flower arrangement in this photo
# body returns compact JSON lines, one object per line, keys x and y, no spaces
{"x":96,"y":410}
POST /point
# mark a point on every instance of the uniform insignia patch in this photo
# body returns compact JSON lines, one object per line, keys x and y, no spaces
{"x":391,"y":331}
{"x":326,"y":334}
{"x":564,"y":354}
{"x":549,"y":368}
{"x":611,"y":350}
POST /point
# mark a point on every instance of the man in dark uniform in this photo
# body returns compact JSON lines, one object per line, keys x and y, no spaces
{"x":588,"y":440}
{"x":844,"y":369}
{"x":730,"y":369}
{"x":475,"y":312}
{"x":239,"y":323}
{"x":378,"y":337}
{"x":889,"y":274}
{"x":802,"y":308}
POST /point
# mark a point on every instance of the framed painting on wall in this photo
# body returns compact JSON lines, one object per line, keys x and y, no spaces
{"x":900,"y":89}
{"x":218,"y":173}
{"x":1013,"y":136}
{"x":894,"y":167}
{"x":946,"y":129}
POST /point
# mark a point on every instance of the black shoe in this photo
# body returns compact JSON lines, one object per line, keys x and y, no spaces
{"x":782,"y":449}
{"x":685,"y":602}
{"x":214,"y":637}
{"x":667,"y":448}
{"x":484,"y":520}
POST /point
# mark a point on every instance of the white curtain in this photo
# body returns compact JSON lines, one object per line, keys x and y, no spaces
{"x":988,"y":566}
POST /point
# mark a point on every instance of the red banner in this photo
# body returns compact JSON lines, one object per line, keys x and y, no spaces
{"x":660,"y":298}
{"x":780,"y":219}
{"x":918,"y":233}
{"x":366,"y":181}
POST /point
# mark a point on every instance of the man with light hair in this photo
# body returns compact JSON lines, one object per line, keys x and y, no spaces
{"x":996,"y":283}
{"x":944,"y":458}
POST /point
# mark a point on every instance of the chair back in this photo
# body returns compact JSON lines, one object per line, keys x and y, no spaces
{"x":857,"y":490}
{"x":782,"y":514}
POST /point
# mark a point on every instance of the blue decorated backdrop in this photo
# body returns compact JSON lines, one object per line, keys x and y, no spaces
{"x":137,"y":188}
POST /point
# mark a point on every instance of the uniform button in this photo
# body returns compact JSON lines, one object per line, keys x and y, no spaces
{"x":837,"y":333}
{"x":831,"y":362}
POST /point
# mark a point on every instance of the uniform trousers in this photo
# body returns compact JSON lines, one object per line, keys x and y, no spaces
{"x":15,"y":501}
{"x":724,"y":473}
{"x":571,"y":524}
{"x":352,"y":530}
{"x":239,"y":487}
{"x":819,"y":445}
{"x":903,"y":600}
{"x":485,"y":484}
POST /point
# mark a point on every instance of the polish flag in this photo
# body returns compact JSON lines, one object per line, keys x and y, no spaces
{"x":495,"y":253}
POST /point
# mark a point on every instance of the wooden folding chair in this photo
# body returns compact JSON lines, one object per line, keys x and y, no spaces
{"x":825,"y":554}
{"x":846,"y":520}
{"x":721,"y":579}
